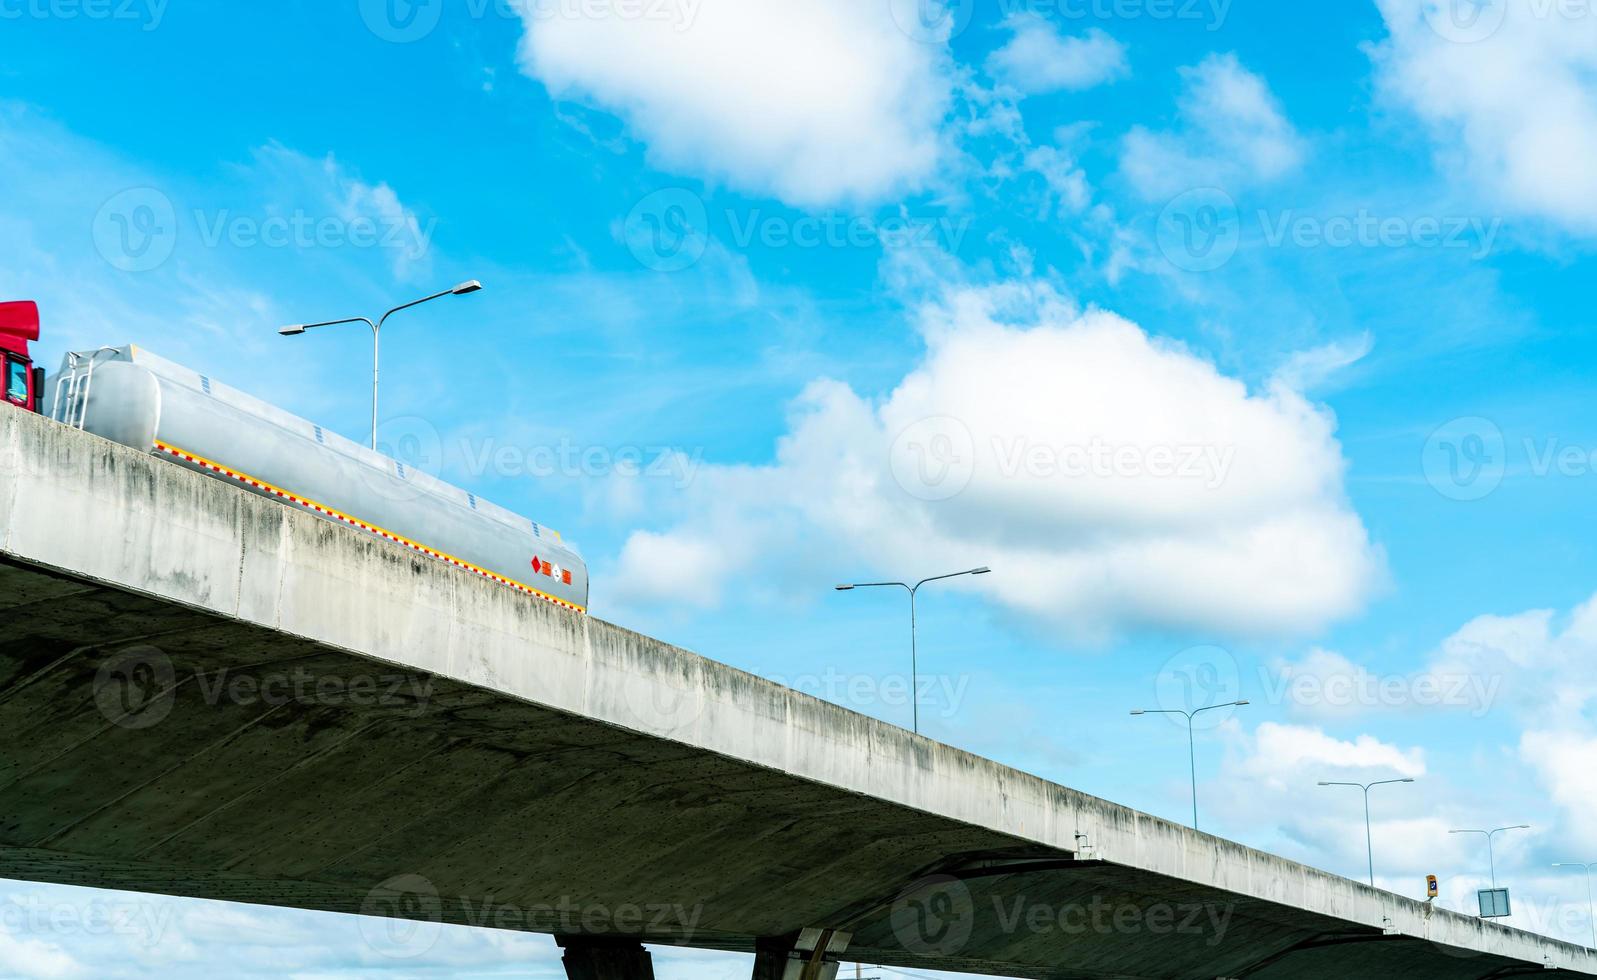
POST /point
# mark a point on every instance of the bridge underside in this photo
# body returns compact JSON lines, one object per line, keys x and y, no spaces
{"x":153,"y":747}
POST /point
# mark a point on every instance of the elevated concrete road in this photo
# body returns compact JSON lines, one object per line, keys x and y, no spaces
{"x":204,"y":694}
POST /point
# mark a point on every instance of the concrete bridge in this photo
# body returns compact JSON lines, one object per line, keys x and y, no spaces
{"x":205,"y":694}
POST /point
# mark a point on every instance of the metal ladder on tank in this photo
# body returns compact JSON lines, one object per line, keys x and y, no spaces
{"x":75,"y":384}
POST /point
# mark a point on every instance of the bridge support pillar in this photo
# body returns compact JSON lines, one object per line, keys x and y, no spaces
{"x":589,"y":958}
{"x":811,"y":954}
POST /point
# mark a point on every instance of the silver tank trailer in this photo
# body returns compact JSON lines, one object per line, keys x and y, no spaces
{"x":133,"y":397}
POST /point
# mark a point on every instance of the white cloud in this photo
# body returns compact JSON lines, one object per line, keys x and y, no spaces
{"x":1267,"y":789}
{"x":1271,"y":779}
{"x":37,"y":960}
{"x":55,"y":932}
{"x":1510,"y":100}
{"x":1234,"y":132}
{"x":1545,"y":673}
{"x":367,"y":215}
{"x":1308,"y":370}
{"x":1284,"y":756}
{"x":1112,"y":480}
{"x":47,"y":254}
{"x":379,"y":203}
{"x":1543,"y":664}
{"x":1039,"y":59}
{"x":816,"y":103}
{"x":1530,"y":672}
{"x":1522,"y":664}
{"x":677,"y":568}
{"x":1324,"y":683}
{"x":1067,"y":182}
{"x":1562,"y":761}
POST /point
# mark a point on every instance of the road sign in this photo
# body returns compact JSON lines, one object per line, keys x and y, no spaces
{"x":1495,"y":904}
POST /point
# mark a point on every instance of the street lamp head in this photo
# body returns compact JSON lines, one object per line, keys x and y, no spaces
{"x":1324,"y":783}
{"x":980,"y":571}
{"x":469,"y":286}
{"x":845,"y":588}
{"x":1241,"y":704}
{"x":1407,"y":780}
{"x":292,"y":331}
{"x":1139,"y":711}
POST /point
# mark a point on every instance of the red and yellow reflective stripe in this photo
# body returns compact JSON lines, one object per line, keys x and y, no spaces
{"x":342,"y":517}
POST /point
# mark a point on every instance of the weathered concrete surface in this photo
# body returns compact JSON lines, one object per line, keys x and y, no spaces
{"x":202,"y":693}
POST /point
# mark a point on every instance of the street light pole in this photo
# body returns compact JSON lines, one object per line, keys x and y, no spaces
{"x":1591,"y":908}
{"x":1489,"y":834}
{"x":914,"y":662}
{"x":1369,"y":841}
{"x":470,"y":286}
{"x":1192,"y":750}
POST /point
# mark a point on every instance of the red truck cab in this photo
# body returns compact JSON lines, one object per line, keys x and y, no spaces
{"x":23,"y":383}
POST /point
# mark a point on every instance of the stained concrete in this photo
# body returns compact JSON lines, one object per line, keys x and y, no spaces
{"x":205,"y":694}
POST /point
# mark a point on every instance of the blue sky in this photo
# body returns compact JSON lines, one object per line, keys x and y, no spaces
{"x":1248,"y":343}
